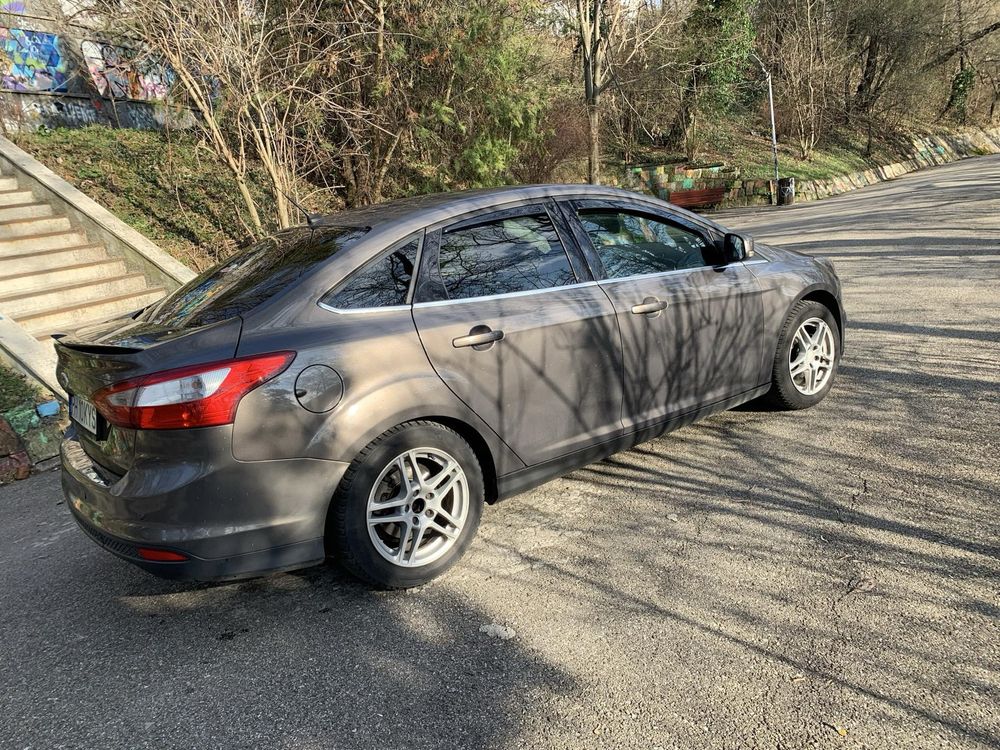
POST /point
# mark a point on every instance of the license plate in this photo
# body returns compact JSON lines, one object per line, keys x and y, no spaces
{"x":84,"y":413}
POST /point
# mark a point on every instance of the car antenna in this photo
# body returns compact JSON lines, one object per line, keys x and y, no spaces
{"x":310,"y":218}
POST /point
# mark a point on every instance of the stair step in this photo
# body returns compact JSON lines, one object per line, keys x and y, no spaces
{"x":47,"y":322}
{"x":24,"y":227}
{"x":41,"y":241}
{"x":28,"y":210}
{"x":28,"y":303}
{"x":46,"y":260}
{"x":12,"y":197}
{"x":8,"y":183}
{"x":35,"y":280}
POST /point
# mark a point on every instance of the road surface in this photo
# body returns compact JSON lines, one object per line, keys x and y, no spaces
{"x":826,"y":578}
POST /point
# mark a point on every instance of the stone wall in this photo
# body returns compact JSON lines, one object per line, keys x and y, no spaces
{"x":31,"y":111}
{"x":663,"y":180}
{"x":928,"y":152}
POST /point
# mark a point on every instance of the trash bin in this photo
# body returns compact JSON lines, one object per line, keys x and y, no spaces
{"x":786,"y":191}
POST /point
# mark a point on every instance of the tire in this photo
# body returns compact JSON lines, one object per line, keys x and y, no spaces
{"x":790,"y":392}
{"x":443,"y":523}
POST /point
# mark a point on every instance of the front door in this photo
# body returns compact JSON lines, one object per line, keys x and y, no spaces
{"x":520,"y":334}
{"x":691,"y":330}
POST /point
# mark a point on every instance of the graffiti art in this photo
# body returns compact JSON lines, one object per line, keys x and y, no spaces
{"x":121,"y":73}
{"x":31,"y":61}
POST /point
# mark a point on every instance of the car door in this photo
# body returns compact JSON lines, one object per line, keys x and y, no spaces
{"x":514,"y":325}
{"x":691,"y":327}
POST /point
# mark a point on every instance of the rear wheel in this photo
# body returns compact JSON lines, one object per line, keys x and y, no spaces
{"x":408,"y":507}
{"x":806,"y":358}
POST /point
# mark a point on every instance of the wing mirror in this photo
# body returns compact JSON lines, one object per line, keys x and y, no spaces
{"x":736,"y":247}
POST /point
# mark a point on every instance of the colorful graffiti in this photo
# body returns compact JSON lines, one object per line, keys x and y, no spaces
{"x":31,"y":61}
{"x":121,"y":73}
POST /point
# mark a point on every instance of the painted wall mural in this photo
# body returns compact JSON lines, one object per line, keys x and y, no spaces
{"x":31,"y":61}
{"x":120,"y":73}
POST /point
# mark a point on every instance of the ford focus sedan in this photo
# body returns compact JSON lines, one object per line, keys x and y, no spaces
{"x":358,"y":388}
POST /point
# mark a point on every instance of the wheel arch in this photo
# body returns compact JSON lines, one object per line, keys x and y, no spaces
{"x":485,"y":453}
{"x":480,"y":447}
{"x":829,"y":300}
{"x":482,"y":450}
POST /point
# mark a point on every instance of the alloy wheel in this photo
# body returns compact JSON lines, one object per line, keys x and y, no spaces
{"x":418,"y":507}
{"x":811,"y":356}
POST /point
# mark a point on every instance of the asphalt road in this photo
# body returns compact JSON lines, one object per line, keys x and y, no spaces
{"x":759,"y":580}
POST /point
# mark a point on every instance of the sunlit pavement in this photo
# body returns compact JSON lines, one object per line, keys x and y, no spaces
{"x":760,"y":580}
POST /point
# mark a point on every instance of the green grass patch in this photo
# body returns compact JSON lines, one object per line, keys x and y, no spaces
{"x":167,"y":185}
{"x":14,"y":389}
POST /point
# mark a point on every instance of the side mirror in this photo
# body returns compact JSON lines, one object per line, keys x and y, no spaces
{"x":736,"y":247}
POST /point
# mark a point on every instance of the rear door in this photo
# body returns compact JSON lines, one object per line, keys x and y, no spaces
{"x":514,"y":325}
{"x":690,"y":326}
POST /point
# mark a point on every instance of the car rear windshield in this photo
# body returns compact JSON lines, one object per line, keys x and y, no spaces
{"x":251,"y":276}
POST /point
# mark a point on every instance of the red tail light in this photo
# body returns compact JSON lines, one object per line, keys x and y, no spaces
{"x":198,"y":396}
{"x":161,"y":555}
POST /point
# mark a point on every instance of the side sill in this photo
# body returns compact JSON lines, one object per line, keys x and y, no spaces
{"x":526,"y":479}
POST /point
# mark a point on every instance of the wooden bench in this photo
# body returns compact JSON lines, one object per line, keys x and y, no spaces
{"x":697,"y":198}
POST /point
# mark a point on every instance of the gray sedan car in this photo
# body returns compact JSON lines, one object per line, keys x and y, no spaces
{"x":359,"y":387}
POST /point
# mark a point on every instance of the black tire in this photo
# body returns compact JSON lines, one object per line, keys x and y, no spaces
{"x":784,"y":394}
{"x":347,"y":530}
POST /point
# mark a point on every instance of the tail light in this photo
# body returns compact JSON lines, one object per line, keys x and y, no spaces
{"x":161,"y":555}
{"x":198,"y":396}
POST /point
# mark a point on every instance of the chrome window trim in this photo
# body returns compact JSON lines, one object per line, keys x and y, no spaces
{"x":505,"y":295}
{"x":361,"y":310}
{"x":528,"y":292}
{"x":676,"y":271}
{"x":755,"y":262}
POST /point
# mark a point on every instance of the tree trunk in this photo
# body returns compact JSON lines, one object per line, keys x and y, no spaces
{"x":594,"y":141}
{"x":863,"y":96}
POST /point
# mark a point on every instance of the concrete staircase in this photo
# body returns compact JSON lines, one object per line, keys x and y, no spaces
{"x":53,"y":277}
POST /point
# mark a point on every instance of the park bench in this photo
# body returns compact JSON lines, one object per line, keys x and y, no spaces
{"x":697,"y":198}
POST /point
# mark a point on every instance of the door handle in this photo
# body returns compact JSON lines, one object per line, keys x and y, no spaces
{"x":649,"y":306}
{"x":480,"y":338}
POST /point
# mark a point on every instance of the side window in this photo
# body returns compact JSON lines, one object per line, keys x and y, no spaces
{"x":631,"y":244}
{"x":380,"y":283}
{"x":509,"y":255}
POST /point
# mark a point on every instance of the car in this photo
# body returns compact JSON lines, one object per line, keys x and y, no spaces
{"x":357,"y":388}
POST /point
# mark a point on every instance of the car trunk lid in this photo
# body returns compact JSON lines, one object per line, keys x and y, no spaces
{"x":124,"y":348}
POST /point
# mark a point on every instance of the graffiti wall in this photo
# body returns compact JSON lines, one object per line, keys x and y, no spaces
{"x":120,"y":73}
{"x":31,"y":61}
{"x":94,"y":82}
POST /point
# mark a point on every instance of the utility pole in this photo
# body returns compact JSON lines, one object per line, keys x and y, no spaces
{"x":774,"y":131}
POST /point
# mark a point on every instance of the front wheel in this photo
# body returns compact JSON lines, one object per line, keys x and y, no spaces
{"x":408,"y":506}
{"x":806,"y":358}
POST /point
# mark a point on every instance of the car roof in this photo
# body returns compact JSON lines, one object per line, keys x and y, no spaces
{"x":437,"y":206}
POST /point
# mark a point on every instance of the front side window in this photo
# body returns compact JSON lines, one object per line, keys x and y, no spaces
{"x":631,"y":244}
{"x":381,"y":283}
{"x":518,"y":254}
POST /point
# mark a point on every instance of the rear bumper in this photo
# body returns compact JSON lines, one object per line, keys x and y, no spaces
{"x":231,"y":519}
{"x":247,"y":565}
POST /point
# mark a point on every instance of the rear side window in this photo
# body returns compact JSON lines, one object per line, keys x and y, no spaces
{"x":382,"y":283}
{"x":632,"y":244}
{"x":251,"y":276}
{"x":508,"y":255}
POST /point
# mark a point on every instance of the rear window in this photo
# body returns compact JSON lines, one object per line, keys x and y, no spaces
{"x":251,"y":276}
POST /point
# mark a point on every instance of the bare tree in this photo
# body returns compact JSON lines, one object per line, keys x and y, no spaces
{"x":249,"y":71}
{"x":610,"y":33}
{"x":799,"y":41}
